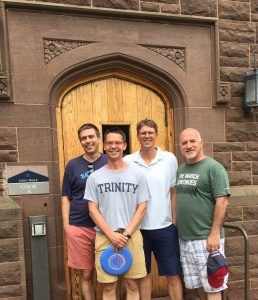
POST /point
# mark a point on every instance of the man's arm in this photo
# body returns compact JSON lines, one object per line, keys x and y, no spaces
{"x":65,"y":209}
{"x":213,"y":241}
{"x":137,"y":218}
{"x":173,"y":203}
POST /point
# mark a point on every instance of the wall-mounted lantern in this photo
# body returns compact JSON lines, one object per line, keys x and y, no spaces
{"x":251,"y":90}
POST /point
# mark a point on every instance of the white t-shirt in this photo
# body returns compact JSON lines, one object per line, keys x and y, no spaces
{"x":161,"y":176}
{"x":117,"y":193}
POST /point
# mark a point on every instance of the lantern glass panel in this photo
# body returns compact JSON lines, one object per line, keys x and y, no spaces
{"x":251,"y":89}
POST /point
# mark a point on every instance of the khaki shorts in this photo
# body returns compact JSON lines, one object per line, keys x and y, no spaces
{"x":135,"y":245}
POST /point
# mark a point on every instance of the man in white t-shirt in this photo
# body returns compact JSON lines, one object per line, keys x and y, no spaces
{"x":158,"y":226}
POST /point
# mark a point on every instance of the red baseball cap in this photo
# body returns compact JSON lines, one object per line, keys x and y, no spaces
{"x":217,"y":269}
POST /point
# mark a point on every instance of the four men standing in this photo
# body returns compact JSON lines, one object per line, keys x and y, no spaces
{"x":191,"y":200}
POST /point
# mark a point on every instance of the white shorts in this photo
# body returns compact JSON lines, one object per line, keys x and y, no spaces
{"x":193,"y":256}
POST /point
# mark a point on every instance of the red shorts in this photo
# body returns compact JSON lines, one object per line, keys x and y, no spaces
{"x":80,"y":247}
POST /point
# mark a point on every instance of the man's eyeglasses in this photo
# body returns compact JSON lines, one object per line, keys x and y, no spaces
{"x":116,"y":143}
{"x":145,"y":133}
{"x":90,"y":168}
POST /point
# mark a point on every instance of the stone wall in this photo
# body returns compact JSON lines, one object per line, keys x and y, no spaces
{"x":242,"y":212}
{"x":12,"y":266}
{"x":8,"y":153}
{"x":237,"y":35}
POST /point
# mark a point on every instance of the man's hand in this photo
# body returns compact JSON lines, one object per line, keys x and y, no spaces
{"x":213,"y":242}
{"x":118,"y":240}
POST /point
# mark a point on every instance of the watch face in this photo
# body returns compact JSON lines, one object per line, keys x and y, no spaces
{"x":125,"y":233}
{"x":116,"y":262}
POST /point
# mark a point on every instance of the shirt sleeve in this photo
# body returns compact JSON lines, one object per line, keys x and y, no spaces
{"x":143,"y":192}
{"x":174,"y":167}
{"x":220,"y":182}
{"x":90,"y":193}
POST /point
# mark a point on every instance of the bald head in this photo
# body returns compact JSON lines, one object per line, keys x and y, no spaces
{"x":191,"y":145}
{"x":191,"y":131}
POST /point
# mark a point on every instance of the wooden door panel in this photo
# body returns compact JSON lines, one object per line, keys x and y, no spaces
{"x":159,"y":115}
{"x":115,"y":98}
{"x":100,"y":101}
{"x":131,"y":111}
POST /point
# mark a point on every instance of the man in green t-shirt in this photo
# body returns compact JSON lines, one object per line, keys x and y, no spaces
{"x":202,"y":198}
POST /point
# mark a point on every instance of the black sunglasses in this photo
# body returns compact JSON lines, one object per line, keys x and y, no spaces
{"x":90,"y":168}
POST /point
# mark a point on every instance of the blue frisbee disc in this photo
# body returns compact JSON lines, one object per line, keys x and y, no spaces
{"x":116,"y":263}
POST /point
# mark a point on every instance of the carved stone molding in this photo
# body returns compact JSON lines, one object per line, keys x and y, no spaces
{"x":4,"y":86}
{"x":56,"y":47}
{"x":175,"y":54}
{"x":224,"y":94}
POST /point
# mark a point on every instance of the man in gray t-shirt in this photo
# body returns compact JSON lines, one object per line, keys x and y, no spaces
{"x":118,"y":195}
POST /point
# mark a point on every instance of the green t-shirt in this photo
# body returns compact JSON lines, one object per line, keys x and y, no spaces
{"x":198,"y":186}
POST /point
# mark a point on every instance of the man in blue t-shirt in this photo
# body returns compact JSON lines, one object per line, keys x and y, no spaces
{"x":78,"y":225}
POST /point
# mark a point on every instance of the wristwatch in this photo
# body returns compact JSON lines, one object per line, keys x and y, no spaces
{"x":123,"y":232}
{"x":126,"y":234}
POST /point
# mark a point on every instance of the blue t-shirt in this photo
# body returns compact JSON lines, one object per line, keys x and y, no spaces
{"x":75,"y":176}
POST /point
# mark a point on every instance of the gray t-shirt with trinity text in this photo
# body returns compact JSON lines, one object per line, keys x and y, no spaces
{"x":117,"y":193}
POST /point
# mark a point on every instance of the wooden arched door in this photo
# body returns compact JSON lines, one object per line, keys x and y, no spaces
{"x":111,"y":98}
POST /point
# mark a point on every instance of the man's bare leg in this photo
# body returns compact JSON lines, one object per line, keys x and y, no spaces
{"x":201,"y":294}
{"x":109,"y":291}
{"x":214,"y":296}
{"x":175,"y":289}
{"x":145,"y":287}
{"x":87,"y":284}
{"x":132,"y":289}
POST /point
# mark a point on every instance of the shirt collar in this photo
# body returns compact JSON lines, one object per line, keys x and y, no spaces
{"x":138,"y":159}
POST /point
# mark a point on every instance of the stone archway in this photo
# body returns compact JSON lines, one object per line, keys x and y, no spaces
{"x":81,"y":96}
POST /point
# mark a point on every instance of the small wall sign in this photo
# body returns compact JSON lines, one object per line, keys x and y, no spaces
{"x":27,"y":180}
